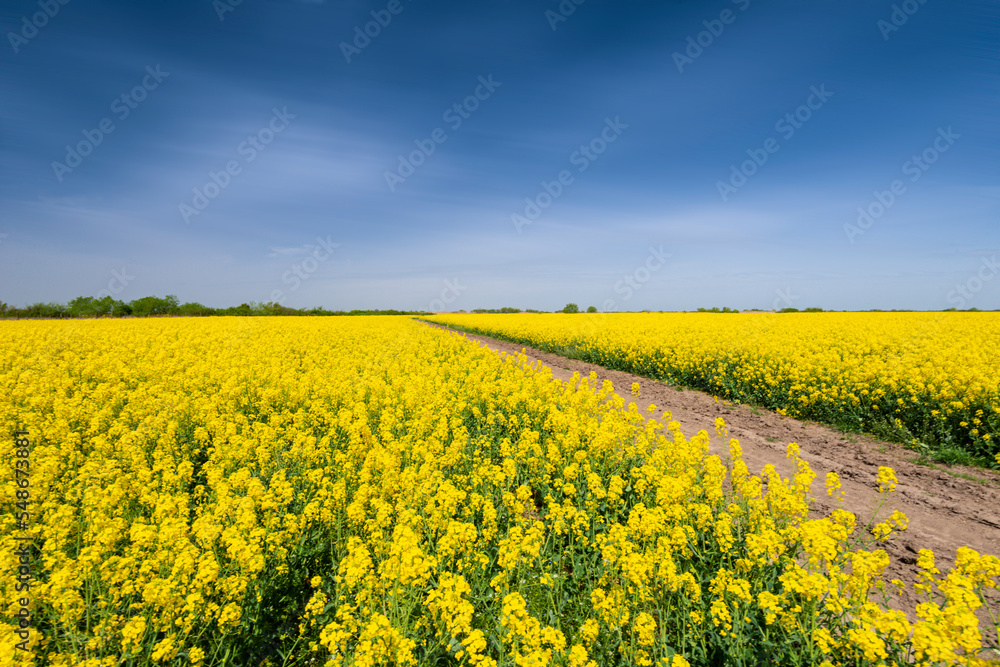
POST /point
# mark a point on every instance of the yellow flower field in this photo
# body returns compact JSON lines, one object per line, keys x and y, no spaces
{"x":929,"y":379}
{"x":372,"y":491}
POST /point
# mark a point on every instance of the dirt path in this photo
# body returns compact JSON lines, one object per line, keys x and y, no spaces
{"x":945,"y":511}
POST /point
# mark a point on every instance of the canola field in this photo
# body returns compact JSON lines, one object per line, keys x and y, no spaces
{"x":931,"y":380}
{"x":372,"y":491}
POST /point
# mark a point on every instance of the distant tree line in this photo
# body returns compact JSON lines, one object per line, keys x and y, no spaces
{"x":152,"y":306}
{"x":504,"y":310}
{"x":755,"y":310}
{"x":573,"y":308}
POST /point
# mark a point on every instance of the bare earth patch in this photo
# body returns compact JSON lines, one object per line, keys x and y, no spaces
{"x":945,"y":511}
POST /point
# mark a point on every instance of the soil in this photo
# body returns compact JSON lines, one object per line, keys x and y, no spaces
{"x":947,"y":506}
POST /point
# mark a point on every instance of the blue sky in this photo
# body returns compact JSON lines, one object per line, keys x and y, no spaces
{"x":627,"y":155}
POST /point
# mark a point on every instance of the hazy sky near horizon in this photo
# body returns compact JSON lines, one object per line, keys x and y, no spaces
{"x":417,"y":154}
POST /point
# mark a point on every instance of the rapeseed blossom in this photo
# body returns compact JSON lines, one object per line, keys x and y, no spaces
{"x":370,"y":491}
{"x":919,"y":378}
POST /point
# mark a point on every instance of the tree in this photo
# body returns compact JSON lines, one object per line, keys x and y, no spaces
{"x":82,"y":306}
{"x":591,"y":309}
{"x":151,"y":305}
{"x":88,"y":306}
{"x":571,"y":308}
{"x":45,"y":310}
{"x":194,"y":309}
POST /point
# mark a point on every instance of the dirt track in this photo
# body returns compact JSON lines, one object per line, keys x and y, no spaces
{"x":945,"y":511}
